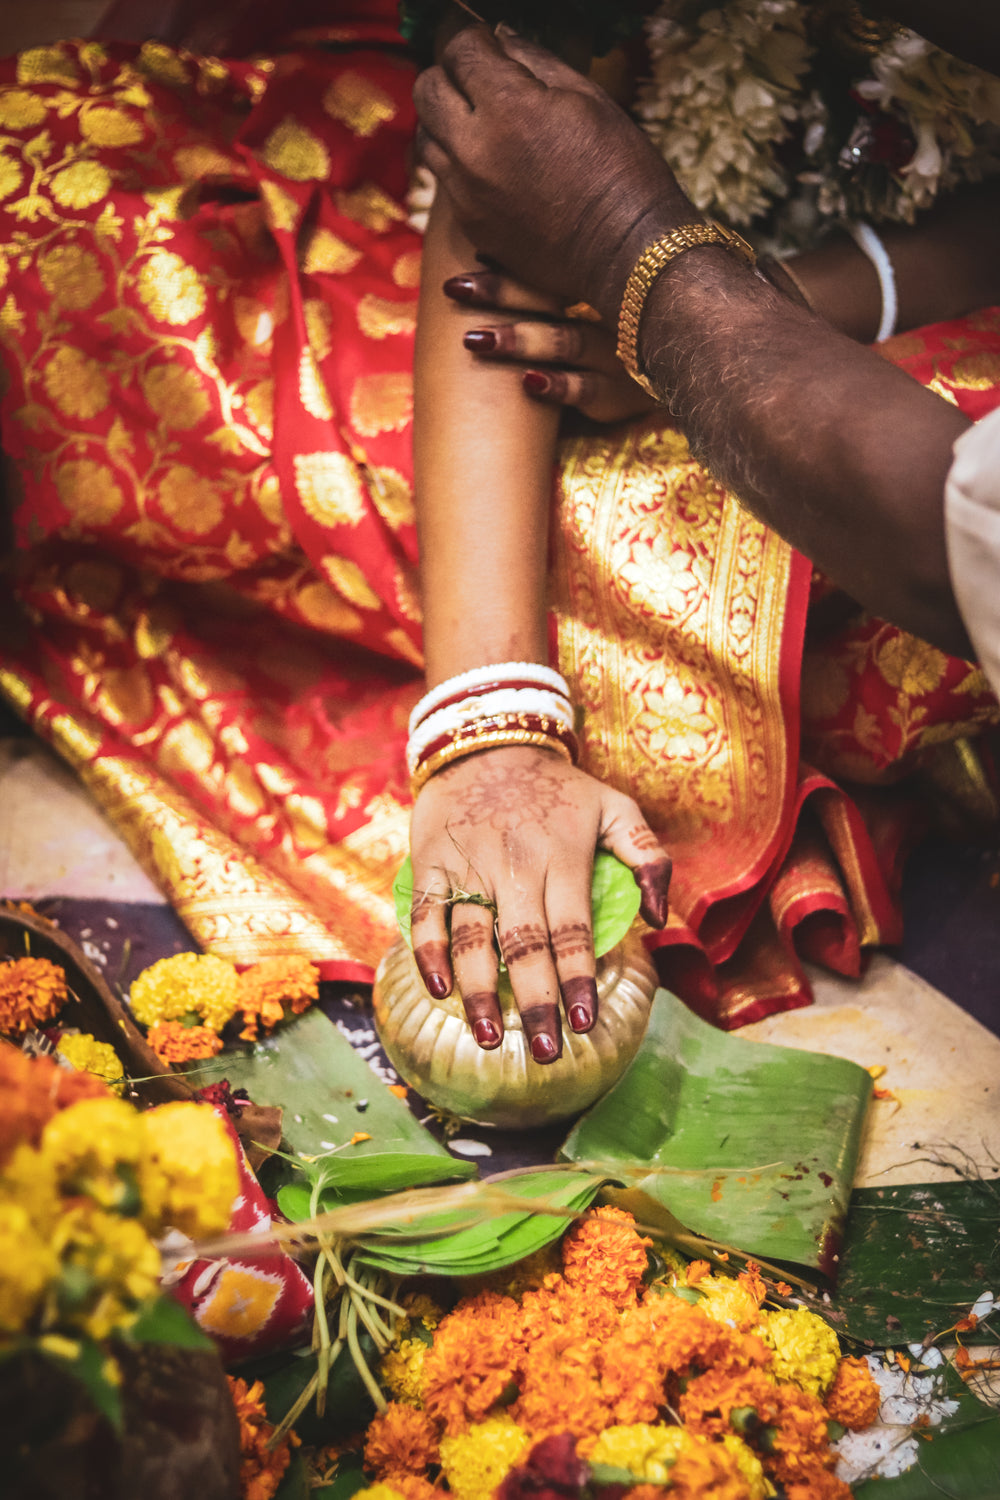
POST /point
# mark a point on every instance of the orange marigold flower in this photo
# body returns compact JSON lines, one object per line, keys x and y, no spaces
{"x":561,"y":1397}
{"x":266,"y":988}
{"x":400,"y":1440}
{"x":801,"y":1442}
{"x":603,"y":1252}
{"x":556,"y":1305}
{"x":32,"y":1090}
{"x":854,"y":1398}
{"x":173,"y":1042}
{"x":261,"y":1468}
{"x":696,"y":1271}
{"x":706,"y":1473}
{"x":472,"y":1362}
{"x":709,"y":1400}
{"x":32,"y":993}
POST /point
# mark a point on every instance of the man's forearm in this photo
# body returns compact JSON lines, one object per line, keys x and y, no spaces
{"x":839,"y":451}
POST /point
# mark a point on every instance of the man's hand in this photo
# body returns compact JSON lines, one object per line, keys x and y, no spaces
{"x":546,"y":174}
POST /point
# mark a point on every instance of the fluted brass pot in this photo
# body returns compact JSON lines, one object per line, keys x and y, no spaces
{"x":430,"y":1044}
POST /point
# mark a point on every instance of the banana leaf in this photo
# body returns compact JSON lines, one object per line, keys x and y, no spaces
{"x":915,"y":1259}
{"x":749,"y":1144}
{"x":328,"y":1095}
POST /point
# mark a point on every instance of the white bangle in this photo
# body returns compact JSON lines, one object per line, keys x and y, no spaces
{"x":870,"y":245}
{"x":474,"y":708}
{"x":478,"y":677}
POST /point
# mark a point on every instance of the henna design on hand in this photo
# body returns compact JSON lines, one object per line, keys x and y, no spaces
{"x":643,"y":838}
{"x":470,"y":937}
{"x":571,"y":938}
{"x":506,"y":798}
{"x":519,"y":943}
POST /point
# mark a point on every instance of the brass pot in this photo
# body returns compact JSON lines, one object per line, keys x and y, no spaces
{"x":430,"y":1044}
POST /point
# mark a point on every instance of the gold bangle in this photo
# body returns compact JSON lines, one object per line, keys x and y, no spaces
{"x":491,"y":740}
{"x":645,"y":271}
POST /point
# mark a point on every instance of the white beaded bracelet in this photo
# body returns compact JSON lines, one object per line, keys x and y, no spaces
{"x":870,"y":245}
{"x":470,"y":710}
{"x":502,"y":673}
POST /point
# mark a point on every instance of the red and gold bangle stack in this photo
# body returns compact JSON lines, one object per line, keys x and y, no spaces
{"x":485,"y":708}
{"x":491,"y":733}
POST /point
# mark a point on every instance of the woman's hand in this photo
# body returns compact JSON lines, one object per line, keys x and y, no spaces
{"x":504,"y":841}
{"x":567,"y":361}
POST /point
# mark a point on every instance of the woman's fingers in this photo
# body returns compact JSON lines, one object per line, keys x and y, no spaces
{"x":627,"y":835}
{"x":429,"y":934}
{"x":561,"y":343}
{"x":571,"y":940}
{"x":524,"y":943}
{"x":475,"y":964}
{"x":491,"y":288}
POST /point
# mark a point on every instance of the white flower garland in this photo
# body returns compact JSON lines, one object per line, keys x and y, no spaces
{"x":732,"y":88}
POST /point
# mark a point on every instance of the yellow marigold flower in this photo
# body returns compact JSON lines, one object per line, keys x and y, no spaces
{"x":806,"y":1350}
{"x":649,"y":1451}
{"x":88,"y":1055}
{"x":28,"y":1178}
{"x":421,"y":1308}
{"x":195,"y":982}
{"x":525,"y":1275}
{"x":400,"y":1439}
{"x":32,"y":992}
{"x":475,"y":1462}
{"x":379,"y":1492}
{"x":401,"y":1371}
{"x":110,"y":1267}
{"x":854,"y":1398}
{"x":27,"y":1265}
{"x":727,"y":1301}
{"x":87,"y":1143}
{"x":261,"y":1466}
{"x":749,"y":1465}
{"x":188,"y":1175}
{"x":266,"y":988}
{"x":174,"y":1042}
{"x":604,"y":1253}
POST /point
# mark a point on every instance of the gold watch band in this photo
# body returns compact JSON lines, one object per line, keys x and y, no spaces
{"x":648,"y":267}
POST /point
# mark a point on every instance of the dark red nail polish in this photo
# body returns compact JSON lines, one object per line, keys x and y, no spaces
{"x":535,"y":383}
{"x":437,"y":986}
{"x":580,"y":1018}
{"x":486,"y":1033}
{"x":460,"y":288}
{"x":480,"y":340}
{"x":543,"y":1049}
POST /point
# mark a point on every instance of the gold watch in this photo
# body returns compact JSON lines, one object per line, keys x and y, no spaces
{"x":648,"y":267}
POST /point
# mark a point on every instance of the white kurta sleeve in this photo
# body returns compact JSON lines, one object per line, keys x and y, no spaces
{"x":972,"y":526}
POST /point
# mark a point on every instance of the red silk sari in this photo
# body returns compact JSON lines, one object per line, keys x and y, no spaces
{"x":207,"y":299}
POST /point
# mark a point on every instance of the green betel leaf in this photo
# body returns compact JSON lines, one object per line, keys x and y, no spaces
{"x":499,"y":1240}
{"x":166,"y":1322}
{"x":750,"y":1144}
{"x":354,"y":1179}
{"x":319,"y":1081}
{"x":915,"y":1259}
{"x":614,"y":900}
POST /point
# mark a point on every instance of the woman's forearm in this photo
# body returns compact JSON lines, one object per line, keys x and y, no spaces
{"x":483,"y":473}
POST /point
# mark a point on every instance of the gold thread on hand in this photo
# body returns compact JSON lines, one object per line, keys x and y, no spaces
{"x":648,"y":267}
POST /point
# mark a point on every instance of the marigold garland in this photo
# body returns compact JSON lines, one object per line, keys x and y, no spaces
{"x":32,"y":993}
{"x":517,"y":1394}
